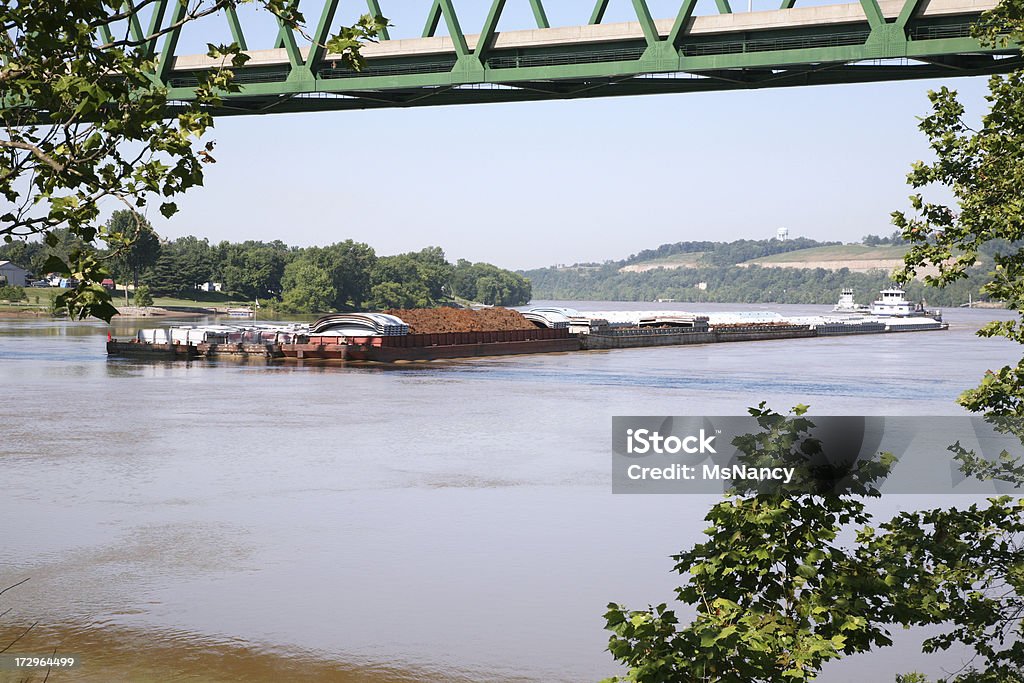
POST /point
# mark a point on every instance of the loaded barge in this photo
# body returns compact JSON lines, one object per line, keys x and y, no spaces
{"x":387,"y":338}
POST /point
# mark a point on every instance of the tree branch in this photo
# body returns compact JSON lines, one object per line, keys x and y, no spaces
{"x":38,"y":153}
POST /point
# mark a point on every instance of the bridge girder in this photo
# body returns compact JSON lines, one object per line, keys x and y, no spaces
{"x":863,"y":42}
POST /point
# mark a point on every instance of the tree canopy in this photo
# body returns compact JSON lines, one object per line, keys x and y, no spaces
{"x":787,"y":581}
{"x":344,"y":276}
{"x":984,"y":169}
{"x":83,"y":123}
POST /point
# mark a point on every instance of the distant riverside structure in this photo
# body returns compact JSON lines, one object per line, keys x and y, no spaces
{"x":782,"y":234}
{"x":11,"y":274}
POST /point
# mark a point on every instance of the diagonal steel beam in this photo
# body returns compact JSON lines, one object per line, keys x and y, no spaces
{"x":643,"y":15}
{"x":236,"y":27}
{"x":170,"y":41}
{"x":539,"y":14}
{"x":723,"y":6}
{"x":134,"y":25}
{"x":433,"y":19}
{"x":105,"y":35}
{"x":597,"y":16}
{"x":320,"y":33}
{"x":682,"y":19}
{"x":483,"y":43}
{"x":454,"y":30}
{"x":155,"y":21}
{"x":909,"y":8}
{"x":286,"y":37}
{"x":873,"y":13}
{"x":787,"y":4}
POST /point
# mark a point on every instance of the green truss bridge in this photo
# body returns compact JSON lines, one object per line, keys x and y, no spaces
{"x":871,"y":40}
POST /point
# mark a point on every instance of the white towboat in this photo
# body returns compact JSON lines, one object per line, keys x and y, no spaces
{"x":847,"y":304}
{"x":892,"y":303}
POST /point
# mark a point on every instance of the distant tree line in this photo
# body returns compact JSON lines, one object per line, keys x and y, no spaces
{"x":347,"y":275}
{"x":734,"y":284}
{"x":895,"y":238}
{"x":727,"y":253}
{"x":718,"y":277}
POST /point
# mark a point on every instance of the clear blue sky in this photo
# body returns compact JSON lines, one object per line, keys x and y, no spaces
{"x":532,"y":184}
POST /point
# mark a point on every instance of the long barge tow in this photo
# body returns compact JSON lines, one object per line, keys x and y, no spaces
{"x":385,"y":338}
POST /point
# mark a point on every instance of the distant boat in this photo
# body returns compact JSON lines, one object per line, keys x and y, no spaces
{"x":240,"y":312}
{"x":846,"y":303}
{"x":893,"y":303}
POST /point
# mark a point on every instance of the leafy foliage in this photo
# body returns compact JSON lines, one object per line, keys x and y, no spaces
{"x":349,"y":265}
{"x":307,"y":287}
{"x":11,"y":293}
{"x":342,"y":276}
{"x":82,"y":122}
{"x":251,"y":268}
{"x":875,"y":240}
{"x":166,"y":279}
{"x":143,"y":296}
{"x":141,"y":245}
{"x":984,"y":168}
{"x":777,"y":593}
{"x":489,"y":284}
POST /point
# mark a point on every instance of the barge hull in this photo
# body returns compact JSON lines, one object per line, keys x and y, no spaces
{"x":424,"y":347}
{"x":385,"y":354}
{"x":135,"y":349}
{"x":154,"y":351}
{"x":594,"y":341}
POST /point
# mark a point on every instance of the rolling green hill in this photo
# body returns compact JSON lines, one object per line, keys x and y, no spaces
{"x":800,"y":270}
{"x":835,"y":253}
{"x":687,"y":260}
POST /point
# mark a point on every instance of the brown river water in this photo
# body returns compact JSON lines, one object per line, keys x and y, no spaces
{"x":227,"y":521}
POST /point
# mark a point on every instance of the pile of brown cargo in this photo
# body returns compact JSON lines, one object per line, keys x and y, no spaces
{"x":766,"y":325}
{"x":442,"y":320}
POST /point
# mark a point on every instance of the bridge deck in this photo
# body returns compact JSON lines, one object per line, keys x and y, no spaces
{"x":608,"y":34}
{"x":868,"y":41}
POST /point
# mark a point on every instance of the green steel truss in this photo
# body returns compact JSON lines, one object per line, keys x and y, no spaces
{"x":479,"y":68}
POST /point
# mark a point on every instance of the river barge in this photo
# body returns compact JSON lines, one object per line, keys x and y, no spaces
{"x":247,"y":344}
{"x":133,"y":348}
{"x":297,"y":343}
{"x":421,"y":347}
{"x":387,"y":338}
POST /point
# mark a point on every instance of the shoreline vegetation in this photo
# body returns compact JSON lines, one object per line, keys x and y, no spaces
{"x":791,"y":271}
{"x":284,"y":281}
{"x":189,"y":272}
